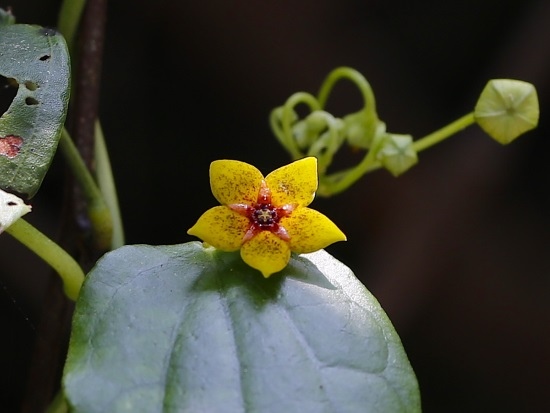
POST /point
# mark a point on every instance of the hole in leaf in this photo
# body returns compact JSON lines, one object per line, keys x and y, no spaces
{"x":31,"y":101}
{"x":45,"y":57}
{"x":31,"y":85}
{"x":8,"y":90}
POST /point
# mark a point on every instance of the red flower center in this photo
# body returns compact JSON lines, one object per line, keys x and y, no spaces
{"x":263,"y":215}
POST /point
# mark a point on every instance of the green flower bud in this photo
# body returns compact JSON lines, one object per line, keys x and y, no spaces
{"x":507,"y":108}
{"x":359,"y":132}
{"x":317,"y":120}
{"x":397,"y":154}
{"x":308,"y":131}
{"x":356,"y":131}
{"x":303,"y":136}
{"x":328,"y":142}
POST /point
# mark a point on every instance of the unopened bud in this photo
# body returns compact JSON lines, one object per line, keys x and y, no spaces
{"x":507,"y":108}
{"x":397,"y":154}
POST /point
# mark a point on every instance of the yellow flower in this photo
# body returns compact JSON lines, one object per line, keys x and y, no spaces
{"x":266,"y":218}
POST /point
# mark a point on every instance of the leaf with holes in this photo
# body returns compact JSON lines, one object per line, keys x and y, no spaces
{"x":35,"y":62}
{"x":184,"y":328}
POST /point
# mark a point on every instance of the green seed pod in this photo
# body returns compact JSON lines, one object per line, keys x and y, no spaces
{"x":397,"y":154}
{"x":507,"y":108}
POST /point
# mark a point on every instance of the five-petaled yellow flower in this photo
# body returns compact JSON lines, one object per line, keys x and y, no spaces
{"x":266,"y":218}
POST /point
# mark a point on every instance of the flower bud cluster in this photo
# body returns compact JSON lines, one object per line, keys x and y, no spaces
{"x":506,"y":109}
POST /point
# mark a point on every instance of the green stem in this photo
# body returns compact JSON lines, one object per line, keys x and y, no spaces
{"x":444,"y":133}
{"x":437,"y":136}
{"x":369,"y":105}
{"x":336,"y":183}
{"x":340,"y":181}
{"x":98,"y":210}
{"x":285,"y":135}
{"x":357,"y":78}
{"x":77,"y":165}
{"x":107,"y":186}
{"x":327,"y":145}
{"x":67,"y":268}
{"x":69,"y":18}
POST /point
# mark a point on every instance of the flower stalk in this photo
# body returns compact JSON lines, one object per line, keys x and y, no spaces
{"x":68,"y":269}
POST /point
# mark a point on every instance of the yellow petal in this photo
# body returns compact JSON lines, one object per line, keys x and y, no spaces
{"x":235,"y":182}
{"x":294,"y":183}
{"x":310,"y":230}
{"x":222,"y":228}
{"x":266,"y":252}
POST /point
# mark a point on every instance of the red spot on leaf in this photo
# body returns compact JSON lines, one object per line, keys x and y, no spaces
{"x":10,"y":145}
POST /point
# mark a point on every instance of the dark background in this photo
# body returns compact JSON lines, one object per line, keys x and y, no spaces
{"x":456,"y":250}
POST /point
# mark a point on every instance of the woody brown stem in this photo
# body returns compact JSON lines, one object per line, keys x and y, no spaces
{"x":53,"y":330}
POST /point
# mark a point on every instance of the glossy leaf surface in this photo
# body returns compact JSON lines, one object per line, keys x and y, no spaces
{"x":184,"y":328}
{"x":35,"y":61}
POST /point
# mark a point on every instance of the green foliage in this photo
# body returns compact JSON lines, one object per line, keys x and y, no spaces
{"x":186,"y":328}
{"x":36,"y":61}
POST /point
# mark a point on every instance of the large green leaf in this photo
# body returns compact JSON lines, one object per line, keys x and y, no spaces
{"x":35,"y":60}
{"x":186,"y":329}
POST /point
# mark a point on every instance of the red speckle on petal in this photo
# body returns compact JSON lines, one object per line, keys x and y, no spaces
{"x":10,"y":145}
